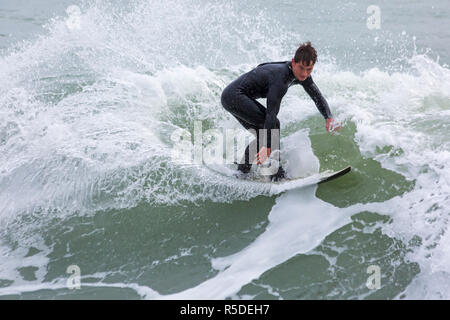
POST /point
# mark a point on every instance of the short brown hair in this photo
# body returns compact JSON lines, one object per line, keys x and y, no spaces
{"x":305,"y":53}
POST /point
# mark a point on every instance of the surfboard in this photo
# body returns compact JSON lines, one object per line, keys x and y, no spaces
{"x":335,"y":174}
{"x":287,"y":184}
{"x":318,"y":178}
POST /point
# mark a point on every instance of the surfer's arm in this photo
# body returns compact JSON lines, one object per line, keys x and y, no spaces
{"x":315,"y":94}
{"x":321,"y":104}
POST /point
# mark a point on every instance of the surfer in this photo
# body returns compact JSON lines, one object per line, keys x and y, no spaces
{"x":271,"y":80}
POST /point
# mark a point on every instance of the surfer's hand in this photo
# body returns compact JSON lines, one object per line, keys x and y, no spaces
{"x":332,"y":125}
{"x":262,"y":155}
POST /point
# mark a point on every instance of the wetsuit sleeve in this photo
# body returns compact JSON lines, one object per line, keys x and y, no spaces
{"x":274,"y":95}
{"x":315,"y":94}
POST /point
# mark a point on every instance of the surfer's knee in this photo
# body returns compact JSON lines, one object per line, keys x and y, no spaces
{"x":227,"y":98}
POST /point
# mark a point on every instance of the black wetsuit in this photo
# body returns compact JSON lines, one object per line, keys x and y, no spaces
{"x":268,"y":80}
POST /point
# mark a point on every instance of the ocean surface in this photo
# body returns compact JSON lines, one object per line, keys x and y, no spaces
{"x":93,"y":204}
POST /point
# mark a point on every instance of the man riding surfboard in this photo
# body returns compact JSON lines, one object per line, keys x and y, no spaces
{"x":271,"y":80}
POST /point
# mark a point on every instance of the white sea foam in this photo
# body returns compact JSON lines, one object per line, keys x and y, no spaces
{"x":297,"y":223}
{"x":391,"y":114}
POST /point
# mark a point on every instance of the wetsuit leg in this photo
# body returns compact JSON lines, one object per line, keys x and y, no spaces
{"x":250,"y":114}
{"x":250,"y":151}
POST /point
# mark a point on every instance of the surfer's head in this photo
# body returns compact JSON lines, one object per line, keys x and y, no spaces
{"x":304,"y":60}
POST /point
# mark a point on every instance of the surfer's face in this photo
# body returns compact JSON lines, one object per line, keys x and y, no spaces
{"x":302,"y":70}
